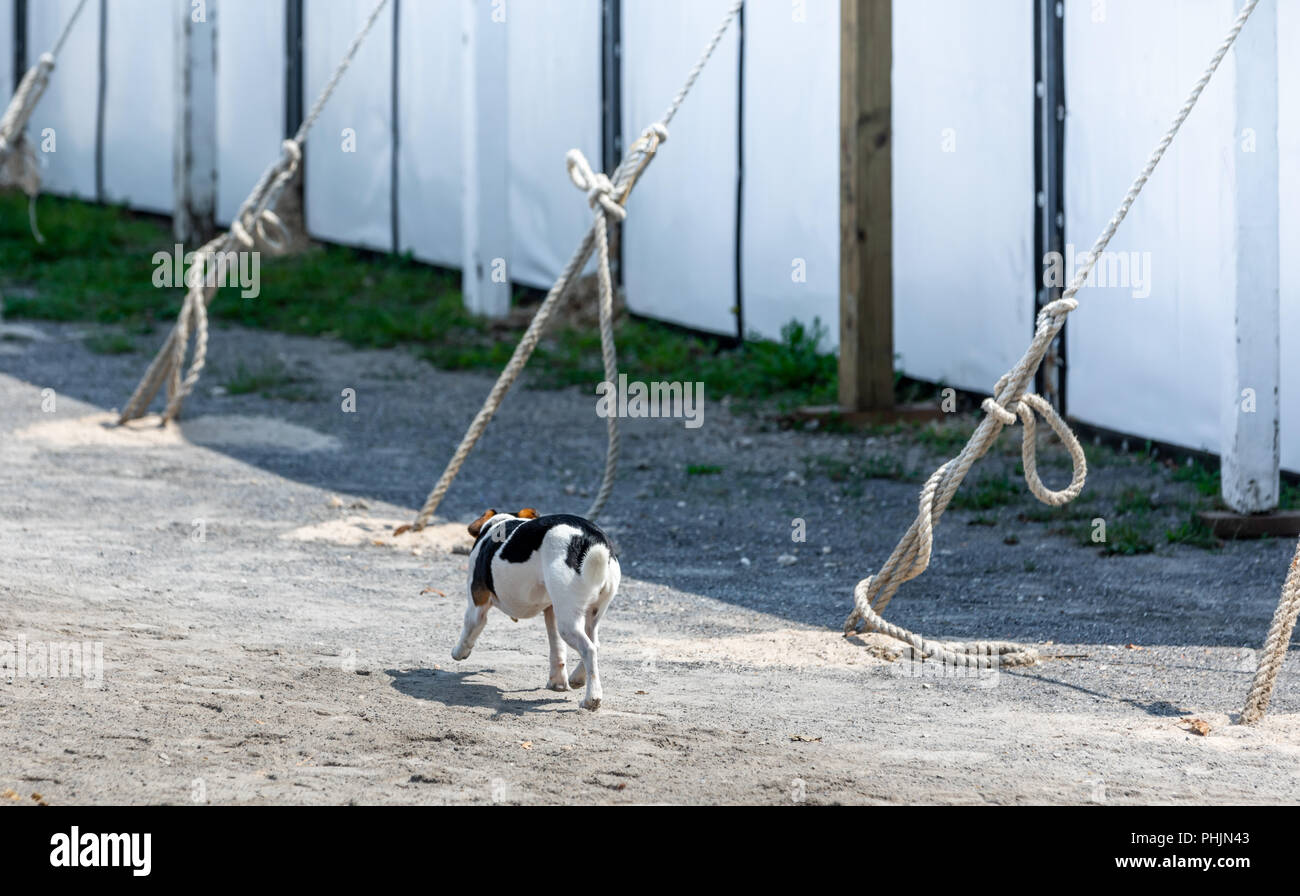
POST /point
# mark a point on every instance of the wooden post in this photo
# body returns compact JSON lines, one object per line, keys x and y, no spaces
{"x":485,"y":279}
{"x":866,"y":207}
{"x":1250,"y":438}
{"x":194,"y":155}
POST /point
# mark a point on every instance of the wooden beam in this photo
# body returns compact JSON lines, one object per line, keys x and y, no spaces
{"x":1250,"y":449}
{"x":866,"y":207}
{"x":194,"y":153}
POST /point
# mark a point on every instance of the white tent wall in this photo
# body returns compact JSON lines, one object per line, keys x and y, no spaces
{"x":139,"y":102}
{"x":429,"y":127}
{"x":790,"y":189}
{"x":6,"y":47}
{"x":70,"y":104}
{"x":554,"y":106}
{"x":1288,"y":127}
{"x":250,"y":96}
{"x":1152,"y":365}
{"x":963,"y":188}
{"x":679,"y":240}
{"x":348,"y":194}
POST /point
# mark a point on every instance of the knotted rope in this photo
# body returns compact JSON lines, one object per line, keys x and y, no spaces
{"x":18,"y":165}
{"x":607,"y":196}
{"x":912,"y":554}
{"x":1275,"y":645}
{"x":255,"y":224}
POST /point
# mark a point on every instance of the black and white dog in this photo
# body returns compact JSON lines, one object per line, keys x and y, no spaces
{"x":561,"y":566}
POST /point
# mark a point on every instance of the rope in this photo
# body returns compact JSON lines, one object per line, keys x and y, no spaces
{"x":1275,"y":645}
{"x":18,"y":165}
{"x":912,"y":554}
{"x":255,"y":223}
{"x":601,"y":192}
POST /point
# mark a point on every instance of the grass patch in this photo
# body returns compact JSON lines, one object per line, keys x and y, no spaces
{"x":703,"y":470}
{"x":97,"y":265}
{"x":110,"y":343}
{"x":1128,"y":539}
{"x":1202,"y":478}
{"x":1194,"y":532}
{"x":987,"y":493}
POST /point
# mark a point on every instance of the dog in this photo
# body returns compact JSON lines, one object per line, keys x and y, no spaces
{"x":559,"y":565}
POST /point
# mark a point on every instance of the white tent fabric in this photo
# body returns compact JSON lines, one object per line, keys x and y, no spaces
{"x":679,"y":248}
{"x":139,"y":102}
{"x":429,"y":125}
{"x":963,"y":189}
{"x":6,"y":47}
{"x":554,"y":98}
{"x":1149,"y":353}
{"x":790,"y":204}
{"x":70,"y":104}
{"x":1288,"y":126}
{"x":250,"y":97}
{"x":348,"y":194}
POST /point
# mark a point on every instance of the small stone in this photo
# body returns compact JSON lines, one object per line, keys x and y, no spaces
{"x":787,"y":559}
{"x":826,"y":549}
{"x":334,"y":501}
{"x":570,"y":489}
{"x":792,"y":478}
{"x":744,"y":561}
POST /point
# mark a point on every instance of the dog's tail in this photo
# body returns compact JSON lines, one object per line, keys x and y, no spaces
{"x":595,"y":566}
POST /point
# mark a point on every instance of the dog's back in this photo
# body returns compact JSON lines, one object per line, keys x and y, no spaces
{"x":569,"y":547}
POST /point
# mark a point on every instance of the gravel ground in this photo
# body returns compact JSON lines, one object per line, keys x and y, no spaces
{"x":265,"y":641}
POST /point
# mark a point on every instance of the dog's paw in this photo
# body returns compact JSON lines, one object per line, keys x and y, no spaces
{"x":592,"y":703}
{"x":578,"y":678}
{"x":558,"y":684}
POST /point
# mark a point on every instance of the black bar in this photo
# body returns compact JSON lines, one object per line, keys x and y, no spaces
{"x":303,"y":846}
{"x":1049,"y":179}
{"x":292,"y":67}
{"x":611,"y":109}
{"x":20,"y":41}
{"x":740,"y":173}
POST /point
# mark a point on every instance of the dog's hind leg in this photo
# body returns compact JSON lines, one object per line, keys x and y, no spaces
{"x":556,"y":681}
{"x":572,"y":630}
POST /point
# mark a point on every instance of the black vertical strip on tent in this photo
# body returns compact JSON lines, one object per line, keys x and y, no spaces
{"x":292,"y":67}
{"x":99,"y":101}
{"x":392,"y":164}
{"x":293,"y":88}
{"x":1049,"y":179}
{"x":740,"y":171}
{"x":20,"y":41}
{"x":611,"y":107}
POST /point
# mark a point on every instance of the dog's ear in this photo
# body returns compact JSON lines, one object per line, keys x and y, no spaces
{"x":477,"y":526}
{"x":527,"y":514}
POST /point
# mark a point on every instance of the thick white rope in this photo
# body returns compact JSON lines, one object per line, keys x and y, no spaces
{"x":607,"y":196}
{"x":1275,"y":645}
{"x":912,"y":554}
{"x":256,"y":222}
{"x":18,"y":165}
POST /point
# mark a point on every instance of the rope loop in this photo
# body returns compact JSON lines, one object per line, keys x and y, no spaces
{"x":1029,"y":451}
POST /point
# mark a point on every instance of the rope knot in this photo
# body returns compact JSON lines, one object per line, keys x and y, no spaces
{"x":998,"y":412}
{"x":598,"y":187}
